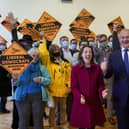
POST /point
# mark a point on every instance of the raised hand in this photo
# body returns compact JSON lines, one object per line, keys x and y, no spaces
{"x":105,"y":93}
{"x":12,"y":20}
{"x":116,"y":25}
{"x":82,"y":100}
{"x":37,"y":79}
{"x":104,"y":65}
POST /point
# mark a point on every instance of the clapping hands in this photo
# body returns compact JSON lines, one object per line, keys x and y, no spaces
{"x":105,"y":93}
{"x":104,"y":65}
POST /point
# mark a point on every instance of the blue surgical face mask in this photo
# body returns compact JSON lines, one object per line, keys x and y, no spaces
{"x":64,"y":44}
{"x":110,"y":44}
{"x":104,"y":44}
{"x":93,"y":45}
{"x":73,"y":46}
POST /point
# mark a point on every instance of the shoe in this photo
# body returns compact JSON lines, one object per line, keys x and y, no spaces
{"x":111,"y":121}
{"x":4,"y":111}
{"x":45,"y":117}
{"x":51,"y":128}
{"x":64,"y":127}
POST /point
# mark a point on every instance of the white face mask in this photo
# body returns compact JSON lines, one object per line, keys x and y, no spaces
{"x":92,"y":43}
{"x":110,"y":44}
{"x":64,"y":44}
{"x":2,"y":47}
{"x":73,"y":46}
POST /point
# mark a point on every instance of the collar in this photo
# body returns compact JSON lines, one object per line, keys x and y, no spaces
{"x":83,"y":66}
{"x":123,"y":49}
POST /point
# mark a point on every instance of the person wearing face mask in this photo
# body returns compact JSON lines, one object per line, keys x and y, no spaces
{"x":64,"y":43}
{"x":75,"y":56}
{"x":110,"y":41}
{"x":68,"y":52}
{"x":73,"y":46}
{"x":59,"y":89}
{"x":5,"y":85}
{"x":91,"y":42}
{"x":101,"y":53}
{"x":30,"y":93}
{"x":105,"y":52}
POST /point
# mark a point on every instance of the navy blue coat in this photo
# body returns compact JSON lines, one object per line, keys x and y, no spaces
{"x":120,"y":88}
{"x":121,"y":79}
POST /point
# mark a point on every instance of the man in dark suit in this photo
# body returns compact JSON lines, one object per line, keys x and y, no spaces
{"x":116,"y":66}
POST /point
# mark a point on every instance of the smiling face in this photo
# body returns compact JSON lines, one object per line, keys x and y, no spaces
{"x":87,"y":55}
{"x":124,"y":38}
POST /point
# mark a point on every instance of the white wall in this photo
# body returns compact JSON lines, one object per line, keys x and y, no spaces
{"x":103,"y":10}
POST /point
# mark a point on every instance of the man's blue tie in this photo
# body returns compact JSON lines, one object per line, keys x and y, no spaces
{"x":126,"y":60}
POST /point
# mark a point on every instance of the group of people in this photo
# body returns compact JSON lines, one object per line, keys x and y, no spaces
{"x":74,"y":78}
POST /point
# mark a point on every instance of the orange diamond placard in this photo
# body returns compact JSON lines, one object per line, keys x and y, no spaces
{"x":28,"y":28}
{"x":80,"y":33}
{"x":83,"y":20}
{"x":15,"y":59}
{"x":121,"y":24}
{"x":49,"y":25}
{"x":22,"y":28}
{"x":7,"y":24}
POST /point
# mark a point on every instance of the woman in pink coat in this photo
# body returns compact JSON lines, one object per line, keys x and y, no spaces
{"x":88,"y":89}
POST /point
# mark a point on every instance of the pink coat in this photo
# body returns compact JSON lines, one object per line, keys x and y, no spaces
{"x":90,"y":83}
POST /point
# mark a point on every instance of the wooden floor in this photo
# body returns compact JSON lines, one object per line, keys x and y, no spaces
{"x":6,"y":119}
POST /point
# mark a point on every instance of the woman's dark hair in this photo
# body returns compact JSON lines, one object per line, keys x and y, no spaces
{"x":51,"y":52}
{"x":52,"y":49}
{"x":80,"y":59}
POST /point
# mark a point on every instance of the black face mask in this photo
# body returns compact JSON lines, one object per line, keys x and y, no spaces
{"x":57,"y":54}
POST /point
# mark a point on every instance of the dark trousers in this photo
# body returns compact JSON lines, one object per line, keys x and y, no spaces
{"x":123,"y":117}
{"x":3,"y":101}
{"x":15,"y":117}
{"x":69,"y":105}
{"x":32,"y":104}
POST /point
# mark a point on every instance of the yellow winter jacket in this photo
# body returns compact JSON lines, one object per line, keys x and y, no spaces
{"x":60,"y":75}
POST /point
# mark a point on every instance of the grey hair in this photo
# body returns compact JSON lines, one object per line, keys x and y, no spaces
{"x":34,"y":51}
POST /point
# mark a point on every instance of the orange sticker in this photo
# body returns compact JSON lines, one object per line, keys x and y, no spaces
{"x":7,"y":24}
{"x":15,"y":59}
{"x":121,"y":25}
{"x":80,"y":33}
{"x":83,"y":20}
{"x":49,"y":25}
